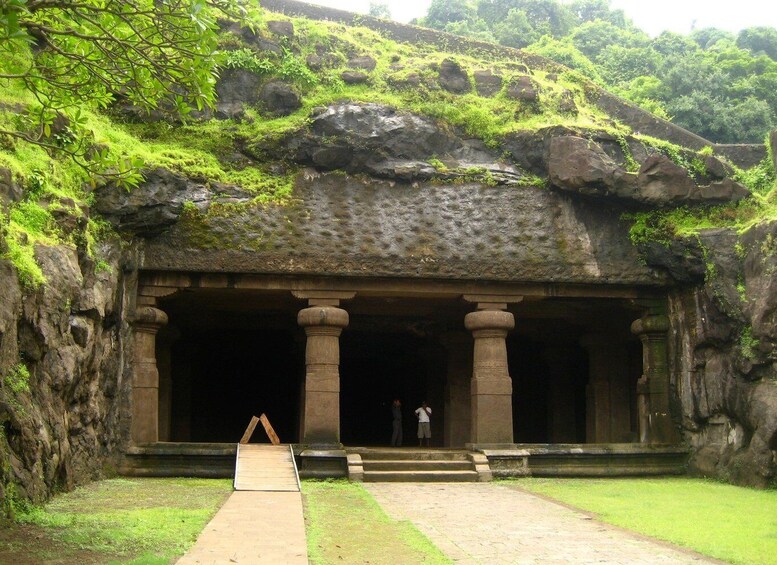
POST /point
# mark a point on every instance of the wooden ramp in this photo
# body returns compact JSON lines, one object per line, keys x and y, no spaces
{"x":264,"y":467}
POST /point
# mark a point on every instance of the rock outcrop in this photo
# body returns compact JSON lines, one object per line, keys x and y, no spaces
{"x":63,"y":347}
{"x":159,"y":201}
{"x":582,"y":166}
{"x":724,"y":351}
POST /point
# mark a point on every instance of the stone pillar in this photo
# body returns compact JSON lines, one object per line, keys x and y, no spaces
{"x":492,"y":387}
{"x":597,"y":414}
{"x":654,"y":383}
{"x":145,"y":379}
{"x":457,"y":389}
{"x":164,"y":344}
{"x":321,"y":420}
{"x":561,"y":393}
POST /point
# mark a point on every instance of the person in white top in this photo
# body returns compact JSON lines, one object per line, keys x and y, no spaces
{"x":424,"y":429}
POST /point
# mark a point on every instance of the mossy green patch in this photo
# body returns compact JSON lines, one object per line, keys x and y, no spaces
{"x":345,"y":525}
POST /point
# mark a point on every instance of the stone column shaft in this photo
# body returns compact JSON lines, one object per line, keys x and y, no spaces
{"x":321,"y":420}
{"x":458,"y":389}
{"x":492,"y":387}
{"x":561,"y":398}
{"x":145,"y":379}
{"x":654,"y":387}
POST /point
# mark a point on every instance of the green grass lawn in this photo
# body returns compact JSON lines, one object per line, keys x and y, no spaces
{"x":152,"y":521}
{"x":141,"y":521}
{"x":345,"y":525}
{"x":731,"y":523}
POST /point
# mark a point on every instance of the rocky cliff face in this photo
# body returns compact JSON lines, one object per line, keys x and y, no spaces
{"x":382,"y":192}
{"x":419,"y":201}
{"x":723,"y":352}
{"x":63,"y":362}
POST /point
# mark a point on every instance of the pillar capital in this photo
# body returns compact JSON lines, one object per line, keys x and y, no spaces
{"x":149,"y":319}
{"x":489,"y":320}
{"x":322,"y":316}
{"x":650,"y":325}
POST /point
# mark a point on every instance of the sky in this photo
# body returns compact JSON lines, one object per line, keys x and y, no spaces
{"x":652,"y":16}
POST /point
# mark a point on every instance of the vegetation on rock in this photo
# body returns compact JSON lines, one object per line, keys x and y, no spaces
{"x":717,"y":84}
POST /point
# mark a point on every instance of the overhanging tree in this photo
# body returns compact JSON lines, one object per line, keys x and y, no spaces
{"x":74,"y":53}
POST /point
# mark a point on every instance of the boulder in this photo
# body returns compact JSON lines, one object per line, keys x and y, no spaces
{"x":453,"y":78}
{"x":379,"y":141}
{"x":364,"y":62}
{"x":279,"y":98}
{"x":9,"y":191}
{"x":716,"y":169}
{"x":725,"y":190}
{"x":661,"y":181}
{"x":529,"y":148}
{"x":234,"y":89}
{"x":282,"y":28}
{"x":323,"y":60}
{"x":524,"y":89}
{"x":487,"y":83}
{"x":381,"y":130}
{"x":354,"y":77}
{"x":566,"y":104}
{"x":580,"y":165}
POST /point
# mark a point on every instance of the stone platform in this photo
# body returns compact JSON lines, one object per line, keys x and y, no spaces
{"x":413,"y":464}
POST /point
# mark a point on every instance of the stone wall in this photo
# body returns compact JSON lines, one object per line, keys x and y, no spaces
{"x":71,"y":336}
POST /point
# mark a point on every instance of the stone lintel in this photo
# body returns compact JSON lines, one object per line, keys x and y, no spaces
{"x":190,"y":276}
{"x":157,"y":291}
{"x":166,"y":278}
{"x":323,"y":297}
{"x":492,"y":301}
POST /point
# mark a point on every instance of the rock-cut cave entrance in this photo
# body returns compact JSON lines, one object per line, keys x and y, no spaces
{"x":229,"y":354}
{"x":377,"y":367}
{"x":220,"y":378}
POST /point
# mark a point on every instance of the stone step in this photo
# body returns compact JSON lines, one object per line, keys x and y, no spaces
{"x":420,"y":476}
{"x":411,"y":454}
{"x":415,"y":465}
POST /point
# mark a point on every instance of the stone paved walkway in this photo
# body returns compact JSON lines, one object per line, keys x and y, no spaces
{"x":253,"y":527}
{"x":488,"y":523}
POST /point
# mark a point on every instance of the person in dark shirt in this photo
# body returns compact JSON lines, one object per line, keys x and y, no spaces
{"x":396,"y":413}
